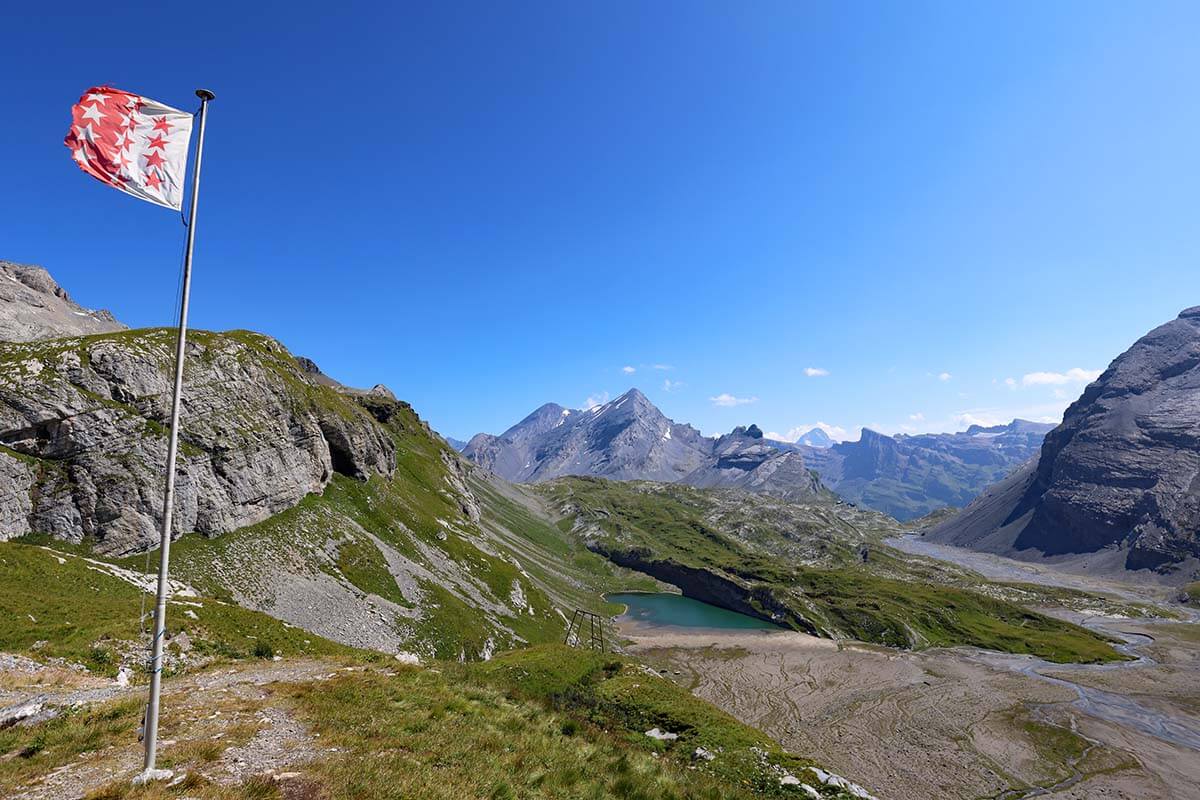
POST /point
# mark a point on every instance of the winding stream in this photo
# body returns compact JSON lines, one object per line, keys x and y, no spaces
{"x":1108,"y":706}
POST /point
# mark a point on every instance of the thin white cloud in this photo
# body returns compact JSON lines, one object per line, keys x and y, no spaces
{"x":835,"y":432}
{"x":628,"y":370}
{"x":815,"y":372}
{"x":1010,"y":383}
{"x":944,"y":376}
{"x":670,"y":385}
{"x":662,"y":366}
{"x":983,"y":419}
{"x":598,"y":399}
{"x":1051,"y":411}
{"x":1075,"y":375}
{"x":917,"y":417}
{"x":726,"y":400}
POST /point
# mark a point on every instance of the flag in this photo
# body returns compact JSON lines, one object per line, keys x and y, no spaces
{"x":132,"y":143}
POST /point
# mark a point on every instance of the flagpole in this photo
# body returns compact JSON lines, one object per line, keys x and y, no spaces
{"x":160,"y":608}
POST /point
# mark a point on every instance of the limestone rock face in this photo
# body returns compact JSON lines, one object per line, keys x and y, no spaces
{"x":83,"y":424}
{"x":33,"y":306}
{"x":1121,"y":471}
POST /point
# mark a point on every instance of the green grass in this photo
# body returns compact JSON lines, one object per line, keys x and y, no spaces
{"x":1192,"y":592}
{"x":539,"y":723}
{"x":31,"y":751}
{"x":887,"y":611}
{"x":364,"y":566}
{"x":543,"y":722}
{"x":465,"y":571}
{"x":74,"y":610}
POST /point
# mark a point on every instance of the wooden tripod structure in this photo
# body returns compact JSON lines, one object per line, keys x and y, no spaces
{"x":595,"y":630}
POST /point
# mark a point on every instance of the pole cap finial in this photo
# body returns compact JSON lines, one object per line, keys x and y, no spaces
{"x":205,"y":94}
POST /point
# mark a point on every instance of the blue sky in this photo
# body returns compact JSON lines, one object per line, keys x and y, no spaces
{"x":956,"y":211}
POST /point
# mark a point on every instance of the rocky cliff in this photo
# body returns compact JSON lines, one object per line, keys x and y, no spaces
{"x":1121,"y":474}
{"x":83,"y":428}
{"x":334,"y":509}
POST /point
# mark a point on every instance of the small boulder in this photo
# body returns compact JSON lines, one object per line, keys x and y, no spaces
{"x":123,"y":675}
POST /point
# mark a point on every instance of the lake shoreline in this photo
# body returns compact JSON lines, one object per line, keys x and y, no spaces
{"x":670,"y":610}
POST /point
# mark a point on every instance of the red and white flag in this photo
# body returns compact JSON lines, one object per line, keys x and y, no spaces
{"x":131,"y":143}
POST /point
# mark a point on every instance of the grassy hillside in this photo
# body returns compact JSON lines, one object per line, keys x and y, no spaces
{"x":814,"y":568}
{"x":63,"y":605}
{"x":437,"y":559}
{"x":407,"y":548}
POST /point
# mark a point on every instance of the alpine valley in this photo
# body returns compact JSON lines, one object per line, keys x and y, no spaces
{"x":359,"y":609}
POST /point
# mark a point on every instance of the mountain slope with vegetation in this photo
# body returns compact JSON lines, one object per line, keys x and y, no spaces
{"x":820,"y":568}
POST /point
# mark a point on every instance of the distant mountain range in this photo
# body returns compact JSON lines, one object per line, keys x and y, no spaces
{"x":1117,"y":484}
{"x":630,"y":439}
{"x":910,"y":476}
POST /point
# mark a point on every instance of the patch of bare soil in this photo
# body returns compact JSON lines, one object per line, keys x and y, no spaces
{"x":223,"y":725}
{"x":938,"y":723}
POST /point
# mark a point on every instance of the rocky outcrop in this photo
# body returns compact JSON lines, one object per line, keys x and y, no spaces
{"x":1122,"y":471}
{"x":33,"y":306}
{"x":83,"y":428}
{"x":743,"y":459}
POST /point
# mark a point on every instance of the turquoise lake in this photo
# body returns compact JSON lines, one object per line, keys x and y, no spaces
{"x":677,"y":610}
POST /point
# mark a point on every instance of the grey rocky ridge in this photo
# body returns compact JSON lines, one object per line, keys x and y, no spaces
{"x":627,"y":438}
{"x":743,"y":459}
{"x":1117,"y":484}
{"x":630,"y":439}
{"x":33,"y":306}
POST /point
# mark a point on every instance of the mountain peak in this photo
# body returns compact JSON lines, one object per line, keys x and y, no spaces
{"x":753,"y":432}
{"x":816,"y":438}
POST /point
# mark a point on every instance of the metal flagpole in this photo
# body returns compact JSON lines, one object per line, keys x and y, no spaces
{"x":160,"y":608}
